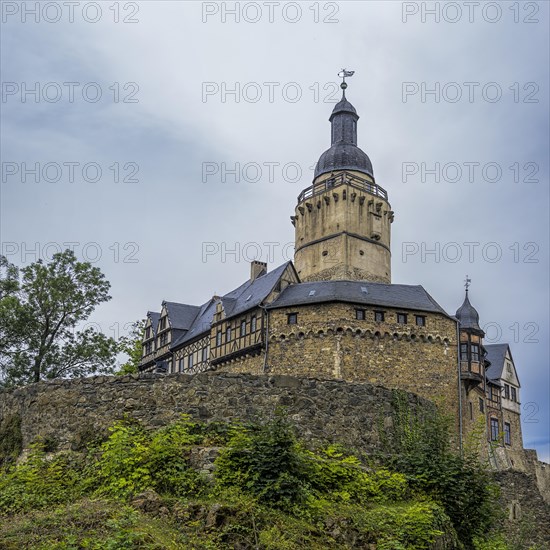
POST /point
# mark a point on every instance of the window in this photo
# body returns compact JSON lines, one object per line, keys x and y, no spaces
{"x":292,"y":318}
{"x":219,"y":338}
{"x":163,"y":339}
{"x":148,"y":332}
{"x":420,"y":320}
{"x":507,"y":434}
{"x":402,"y":318}
{"x":494,"y":429}
{"x":481,"y":405}
{"x":190,"y":362}
{"x":475,"y":353}
{"x":507,"y":391}
{"x":253,"y":324}
{"x":360,"y":314}
{"x":180,"y":365}
{"x":243,"y":327}
{"x":204,"y":354}
{"x":513,"y":393}
{"x":228,"y":334}
{"x":464,"y":352}
{"x":471,"y":410}
{"x":379,"y":316}
{"x":162,"y":323}
{"x":148,"y":348}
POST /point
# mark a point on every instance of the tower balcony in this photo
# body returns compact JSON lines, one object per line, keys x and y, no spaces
{"x":343,"y":178}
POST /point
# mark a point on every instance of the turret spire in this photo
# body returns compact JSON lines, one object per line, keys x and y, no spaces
{"x":344,"y":153}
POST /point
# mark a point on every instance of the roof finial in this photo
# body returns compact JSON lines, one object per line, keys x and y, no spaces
{"x":467,"y":283}
{"x":343,"y":74}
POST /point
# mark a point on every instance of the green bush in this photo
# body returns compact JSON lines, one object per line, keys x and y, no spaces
{"x":133,"y":460}
{"x":266,"y":462}
{"x":122,"y":467}
{"x":335,"y":474}
{"x":40,"y":481}
{"x":420,"y":448}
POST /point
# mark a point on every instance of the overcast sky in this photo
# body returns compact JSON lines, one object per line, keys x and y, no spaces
{"x":171,"y":100}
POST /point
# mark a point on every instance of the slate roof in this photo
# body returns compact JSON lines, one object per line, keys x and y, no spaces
{"x":181,"y":316}
{"x":343,"y":156}
{"x":467,"y":315}
{"x":496,"y":354}
{"x":247,"y":296}
{"x":154,"y":316}
{"x":377,"y":294}
{"x":343,"y":106}
{"x":343,"y":153}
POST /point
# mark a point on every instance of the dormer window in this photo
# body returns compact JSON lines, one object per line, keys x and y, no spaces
{"x":148,"y":348}
{"x":163,"y":339}
{"x":162,"y":323}
{"x":148,"y":332}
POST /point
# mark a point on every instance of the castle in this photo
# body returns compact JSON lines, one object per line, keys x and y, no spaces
{"x":333,"y":313}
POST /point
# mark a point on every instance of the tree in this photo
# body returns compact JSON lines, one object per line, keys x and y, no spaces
{"x":131,"y":345}
{"x":41,"y":306}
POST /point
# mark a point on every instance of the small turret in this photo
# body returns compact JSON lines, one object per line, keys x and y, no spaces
{"x":472,"y":352}
{"x":468,"y":317}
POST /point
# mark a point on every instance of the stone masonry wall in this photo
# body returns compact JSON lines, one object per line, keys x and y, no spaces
{"x":327,"y":410}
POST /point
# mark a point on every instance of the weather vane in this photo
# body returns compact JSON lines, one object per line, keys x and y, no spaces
{"x":467,"y":283}
{"x":343,"y":74}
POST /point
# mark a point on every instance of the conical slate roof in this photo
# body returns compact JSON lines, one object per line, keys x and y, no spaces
{"x":467,"y":315}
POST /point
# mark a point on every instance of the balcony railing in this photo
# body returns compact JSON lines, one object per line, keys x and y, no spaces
{"x":352,"y":180}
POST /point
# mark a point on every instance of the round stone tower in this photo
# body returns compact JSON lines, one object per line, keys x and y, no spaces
{"x":343,"y":219}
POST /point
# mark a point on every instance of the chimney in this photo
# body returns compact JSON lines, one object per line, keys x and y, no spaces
{"x":256,"y":269}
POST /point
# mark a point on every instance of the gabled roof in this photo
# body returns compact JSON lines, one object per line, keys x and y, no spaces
{"x":154,"y":316}
{"x":496,"y":353}
{"x":248,"y":296}
{"x":252,"y":293}
{"x":181,"y":316}
{"x":200,"y":325}
{"x":358,"y":292}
